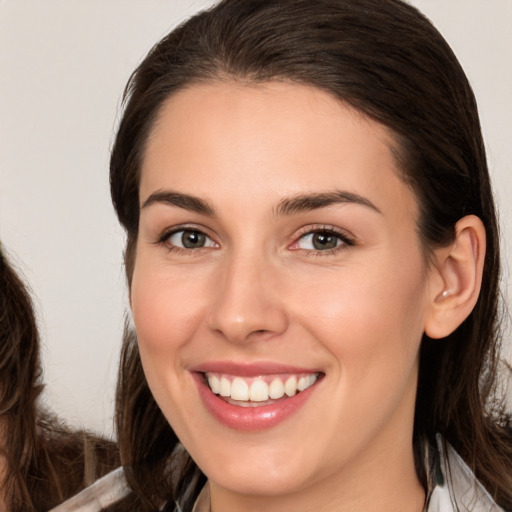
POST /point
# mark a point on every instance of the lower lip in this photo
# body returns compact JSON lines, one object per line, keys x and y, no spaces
{"x":251,"y":418}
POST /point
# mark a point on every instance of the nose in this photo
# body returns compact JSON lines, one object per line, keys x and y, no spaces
{"x":248,"y":305}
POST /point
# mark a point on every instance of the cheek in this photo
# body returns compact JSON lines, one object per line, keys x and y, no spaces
{"x":165,"y":309}
{"x":372,"y":317}
{"x":166,"y":313}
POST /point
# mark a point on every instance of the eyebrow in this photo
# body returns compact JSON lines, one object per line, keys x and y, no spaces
{"x":185,"y":201}
{"x":314,"y":201}
{"x":287,"y":206}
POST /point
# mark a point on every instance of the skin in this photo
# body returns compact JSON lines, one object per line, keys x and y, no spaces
{"x":259,"y":291}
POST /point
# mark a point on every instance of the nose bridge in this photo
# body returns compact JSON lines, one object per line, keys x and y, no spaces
{"x":246,"y":304}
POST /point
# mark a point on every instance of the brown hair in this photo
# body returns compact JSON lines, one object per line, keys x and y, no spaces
{"x":386,"y":59}
{"x":45,"y":462}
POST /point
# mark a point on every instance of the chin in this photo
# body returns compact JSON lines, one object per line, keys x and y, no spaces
{"x":260,"y":469}
{"x":258,"y":481}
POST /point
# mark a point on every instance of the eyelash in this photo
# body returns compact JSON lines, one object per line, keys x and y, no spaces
{"x":345,"y":239}
{"x":163,"y":240}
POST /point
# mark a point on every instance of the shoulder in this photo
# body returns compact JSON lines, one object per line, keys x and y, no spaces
{"x":98,"y":496}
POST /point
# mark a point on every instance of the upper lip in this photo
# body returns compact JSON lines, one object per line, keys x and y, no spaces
{"x":250,"y":369}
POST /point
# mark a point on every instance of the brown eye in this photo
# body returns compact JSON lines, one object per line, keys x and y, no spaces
{"x":322,"y":241}
{"x":190,"y":239}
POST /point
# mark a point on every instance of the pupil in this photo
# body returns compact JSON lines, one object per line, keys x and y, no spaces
{"x":192,"y":239}
{"x":322,"y":241}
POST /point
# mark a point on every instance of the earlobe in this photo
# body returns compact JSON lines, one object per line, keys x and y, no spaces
{"x":458,"y":269}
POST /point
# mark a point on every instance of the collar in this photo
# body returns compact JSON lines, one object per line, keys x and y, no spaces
{"x":457,"y":489}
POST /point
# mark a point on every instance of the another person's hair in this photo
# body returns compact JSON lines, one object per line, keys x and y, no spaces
{"x":385,"y":59}
{"x":44,"y":462}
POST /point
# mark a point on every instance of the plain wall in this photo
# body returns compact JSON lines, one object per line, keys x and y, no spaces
{"x":63,"y":66}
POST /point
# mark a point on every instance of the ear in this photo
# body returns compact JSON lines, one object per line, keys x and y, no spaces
{"x":456,"y":278}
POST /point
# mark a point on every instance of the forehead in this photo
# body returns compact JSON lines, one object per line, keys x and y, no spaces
{"x":288,"y":137}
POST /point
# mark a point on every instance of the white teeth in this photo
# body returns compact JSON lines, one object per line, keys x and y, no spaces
{"x":306,"y":381}
{"x":256,"y":389}
{"x":302,"y":384}
{"x":225,"y":387}
{"x":290,"y":388}
{"x":214,"y":383}
{"x":258,"y":392}
{"x":239,"y":389}
{"x":276,"y":389}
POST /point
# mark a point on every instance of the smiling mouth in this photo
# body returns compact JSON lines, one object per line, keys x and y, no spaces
{"x":258,"y":391}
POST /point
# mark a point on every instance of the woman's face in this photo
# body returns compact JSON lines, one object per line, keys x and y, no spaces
{"x":278,"y":258}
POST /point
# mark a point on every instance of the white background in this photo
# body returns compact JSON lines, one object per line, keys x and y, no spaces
{"x":63,"y":66}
